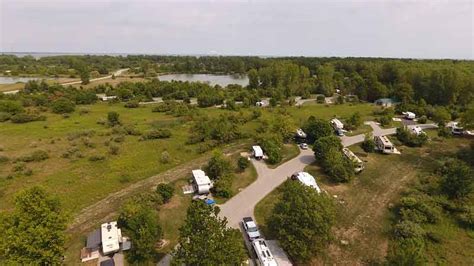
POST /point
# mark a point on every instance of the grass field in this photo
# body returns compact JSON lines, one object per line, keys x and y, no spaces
{"x":363,"y":207}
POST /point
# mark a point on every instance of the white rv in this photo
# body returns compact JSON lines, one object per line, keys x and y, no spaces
{"x":358,"y":164}
{"x":455,"y":128}
{"x":416,"y":130}
{"x":300,"y":134}
{"x":306,"y":179}
{"x":111,"y":237}
{"x":384,"y":145}
{"x":202,"y":184}
{"x":409,"y":115}
{"x":336,"y":124}
{"x":264,"y":256}
{"x":257,"y":152}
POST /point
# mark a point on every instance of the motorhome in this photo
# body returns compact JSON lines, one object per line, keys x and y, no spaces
{"x":111,"y":237}
{"x":416,"y":130}
{"x":257,"y":152}
{"x":264,"y":255}
{"x":409,"y":115}
{"x":300,"y":135}
{"x":455,"y":128}
{"x":336,"y":124}
{"x":384,"y":145}
{"x":358,"y":164}
{"x":306,"y":179}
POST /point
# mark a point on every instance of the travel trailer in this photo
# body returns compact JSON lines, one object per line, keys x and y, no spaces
{"x":358,"y":164}
{"x":384,"y":145}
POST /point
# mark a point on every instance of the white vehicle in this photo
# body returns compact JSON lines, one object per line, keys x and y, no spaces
{"x":455,"y":128}
{"x":202,"y":183}
{"x":300,"y":134}
{"x":384,"y":145}
{"x":264,"y":256}
{"x":409,"y":115}
{"x":306,"y":179}
{"x":417,"y":130}
{"x":336,"y":124}
{"x":250,"y":228}
{"x":304,"y":146}
{"x":257,"y":152}
{"x":358,"y":164}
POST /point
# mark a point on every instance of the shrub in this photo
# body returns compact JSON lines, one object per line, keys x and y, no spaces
{"x":218,"y":166}
{"x":409,"y":229}
{"x":113,"y":119}
{"x":409,"y":139}
{"x":156,"y":134}
{"x":36,"y":156}
{"x":124,"y":178}
{"x":165,"y":157}
{"x":95,"y":158}
{"x":11,"y":107}
{"x":132,"y":104}
{"x":114,"y":149}
{"x":166,"y":191}
{"x":25,"y":118}
{"x":4,"y":159}
{"x":132,"y":130}
{"x":385,"y":120}
{"x":368,"y":145}
{"x":62,"y":106}
{"x":422,"y":119}
{"x":4,"y":116}
{"x":243,"y":163}
{"x":223,"y":186}
{"x":320,"y":99}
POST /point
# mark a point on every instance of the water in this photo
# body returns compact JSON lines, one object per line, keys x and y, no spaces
{"x":13,"y":80}
{"x":222,"y":80}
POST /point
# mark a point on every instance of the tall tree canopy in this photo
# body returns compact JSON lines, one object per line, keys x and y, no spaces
{"x":205,"y":239}
{"x":33,"y":234}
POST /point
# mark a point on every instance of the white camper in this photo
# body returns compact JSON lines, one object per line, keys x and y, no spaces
{"x":300,"y":134}
{"x":384,"y":145}
{"x":111,"y":237}
{"x":416,"y":130}
{"x":264,"y":256}
{"x":358,"y":164}
{"x":306,"y":179}
{"x":409,"y":115}
{"x":202,"y":184}
{"x":257,"y":152}
{"x":336,"y":124}
{"x":455,"y":128}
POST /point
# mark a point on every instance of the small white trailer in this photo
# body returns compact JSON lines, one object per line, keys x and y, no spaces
{"x":202,"y":184}
{"x":257,"y":152}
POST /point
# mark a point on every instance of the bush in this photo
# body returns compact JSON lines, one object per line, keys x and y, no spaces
{"x":11,"y":107}
{"x":410,"y":139}
{"x":243,"y":163}
{"x":25,"y":118}
{"x":422,"y":119}
{"x":218,"y":166}
{"x":166,"y":191}
{"x":156,"y":134}
{"x":113,"y":119}
{"x":223,"y":186}
{"x":4,"y":159}
{"x":409,"y":229}
{"x":4,"y":116}
{"x":62,"y":106}
{"x":114,"y":150}
{"x":36,"y":156}
{"x":320,"y":99}
{"x":95,"y":158}
{"x":385,"y":120}
{"x":165,"y":157}
{"x":132,"y":104}
{"x":368,"y":145}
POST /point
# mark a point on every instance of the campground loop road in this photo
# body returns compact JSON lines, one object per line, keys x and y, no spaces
{"x":243,"y":204}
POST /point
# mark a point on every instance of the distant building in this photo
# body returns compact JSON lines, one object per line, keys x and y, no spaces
{"x":202,"y":183}
{"x":385,"y":102}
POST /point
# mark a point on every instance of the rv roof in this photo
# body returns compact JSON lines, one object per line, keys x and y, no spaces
{"x":200,"y":177}
{"x":385,"y":140}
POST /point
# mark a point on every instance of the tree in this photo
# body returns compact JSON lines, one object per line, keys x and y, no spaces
{"x":253,"y":78}
{"x":458,"y":179}
{"x":141,"y":223}
{"x":323,"y":145}
{"x":34,"y":232}
{"x":85,"y":75}
{"x":354,"y":121}
{"x":301,"y":221}
{"x":467,"y":118}
{"x":403,"y":92}
{"x":166,"y":191}
{"x":441,"y":115}
{"x":243,"y":163}
{"x":62,"y":106}
{"x":113,"y":119}
{"x":272,"y":145}
{"x":368,"y":145}
{"x":337,"y":166}
{"x":316,"y":128}
{"x":218,"y":165}
{"x":205,"y":239}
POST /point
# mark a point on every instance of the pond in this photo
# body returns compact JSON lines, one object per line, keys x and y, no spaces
{"x":13,"y":80}
{"x":222,"y":80}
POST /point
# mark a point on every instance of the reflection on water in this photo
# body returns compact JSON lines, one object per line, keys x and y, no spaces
{"x":222,"y":80}
{"x":12,"y":80}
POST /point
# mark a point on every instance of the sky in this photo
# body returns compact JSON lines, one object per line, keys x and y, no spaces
{"x":370,"y":28}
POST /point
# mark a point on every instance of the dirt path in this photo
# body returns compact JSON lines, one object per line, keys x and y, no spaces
{"x":107,"y":207}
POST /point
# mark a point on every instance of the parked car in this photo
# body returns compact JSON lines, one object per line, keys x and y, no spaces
{"x":303,"y":146}
{"x":250,"y":228}
{"x":340,"y":132}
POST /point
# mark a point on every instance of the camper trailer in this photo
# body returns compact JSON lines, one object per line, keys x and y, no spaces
{"x":336,"y":124}
{"x":111,"y":237}
{"x":358,"y":164}
{"x":409,"y":115}
{"x":264,"y":256}
{"x":455,"y":128}
{"x":306,"y":179}
{"x":257,"y":152}
{"x":416,"y":130}
{"x":201,"y":182}
{"x":384,"y":145}
{"x":300,"y":135}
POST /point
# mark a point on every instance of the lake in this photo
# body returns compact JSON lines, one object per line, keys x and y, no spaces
{"x":13,"y":80}
{"x":222,"y":80}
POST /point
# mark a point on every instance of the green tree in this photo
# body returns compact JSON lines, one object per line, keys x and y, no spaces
{"x":253,"y":78}
{"x":113,"y":119}
{"x":33,"y":234}
{"x":458,"y":179}
{"x":85,"y":76}
{"x":62,"y":106}
{"x":205,"y":239}
{"x":272,"y":145}
{"x":467,"y":118}
{"x":243,"y":163}
{"x":141,"y":224}
{"x":368,"y":145}
{"x":218,"y":165}
{"x":166,"y":191}
{"x":323,"y":145}
{"x":337,"y":166}
{"x":441,"y":115}
{"x":316,"y":128}
{"x":301,"y":221}
{"x":354,"y":121}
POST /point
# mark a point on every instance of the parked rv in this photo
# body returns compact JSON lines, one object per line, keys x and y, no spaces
{"x":257,"y":152}
{"x":384,"y":145}
{"x":358,"y":164}
{"x":300,"y":136}
{"x":409,"y":115}
{"x":306,"y":179}
{"x":201,"y":182}
{"x":264,"y":255}
{"x":336,"y":124}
